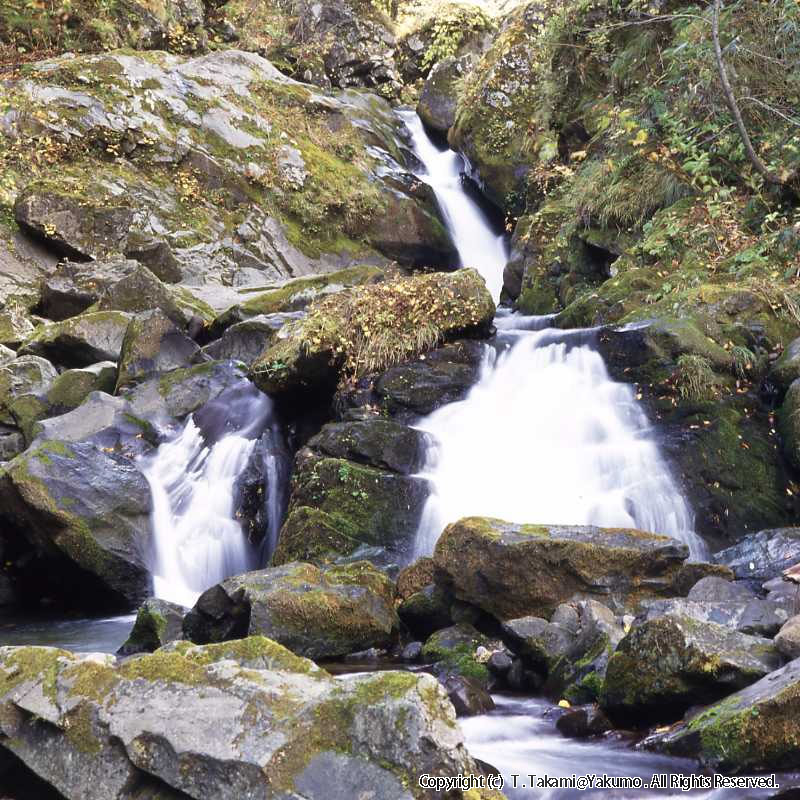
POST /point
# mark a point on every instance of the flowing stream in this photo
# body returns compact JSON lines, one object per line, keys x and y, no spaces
{"x":197,"y":539}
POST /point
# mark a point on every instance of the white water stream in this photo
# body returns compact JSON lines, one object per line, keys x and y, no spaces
{"x":545,"y":436}
{"x":197,"y":540}
{"x":477,"y":244}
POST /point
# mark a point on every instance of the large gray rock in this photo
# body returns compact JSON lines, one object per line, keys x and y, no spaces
{"x":752,"y":730}
{"x":153,"y":345}
{"x":712,"y":589}
{"x":787,"y":639}
{"x":437,"y":101}
{"x":84,"y":510}
{"x":512,"y":570}
{"x":248,"y":720}
{"x":23,"y":376}
{"x":667,"y":664}
{"x":158,"y":622}
{"x":314,"y":612}
{"x":786,"y":369}
{"x":246,"y":340}
{"x":80,"y":341}
{"x":541,"y":642}
{"x":762,"y":556}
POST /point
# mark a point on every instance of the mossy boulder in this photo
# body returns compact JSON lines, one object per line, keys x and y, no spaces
{"x":314,"y":612}
{"x":512,"y":570}
{"x":157,"y":623}
{"x":453,"y":652}
{"x":539,"y":642}
{"x":252,"y":719}
{"x":82,"y":512}
{"x":370,"y":328}
{"x":80,"y":341}
{"x":374,"y":441}
{"x":786,"y":370}
{"x":670,"y":663}
{"x":762,"y":556}
{"x":789,"y":419}
{"x":752,"y":730}
{"x":245,"y":341}
{"x":338,"y":506}
{"x":426,"y":611}
{"x":437,"y":101}
{"x":153,"y":345}
{"x":21,"y":377}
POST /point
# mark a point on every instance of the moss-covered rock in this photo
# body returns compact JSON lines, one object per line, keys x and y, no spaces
{"x":338,"y":506}
{"x":251,"y":718}
{"x":672,"y":662}
{"x":22,"y":377}
{"x":370,"y":328}
{"x":754,"y":729}
{"x":437,"y":101}
{"x":514,"y":570}
{"x":453,"y":652}
{"x":157,"y":623}
{"x":426,"y":611}
{"x":80,"y":341}
{"x":83,"y":512}
{"x":314,"y":612}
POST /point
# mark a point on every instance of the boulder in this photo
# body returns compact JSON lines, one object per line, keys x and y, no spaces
{"x":74,"y":286}
{"x":426,"y":611}
{"x":20,"y":377}
{"x":437,"y":101}
{"x":512,"y":570}
{"x":786,"y":370}
{"x":158,"y":622}
{"x":415,"y":577}
{"x":582,"y":722}
{"x":80,"y":341}
{"x":453,"y":651}
{"x":83,"y":512}
{"x":246,"y":341}
{"x":337,"y":506}
{"x":787,"y":639}
{"x":377,"y":442}
{"x":370,"y":328}
{"x":762,"y":556}
{"x":15,"y":326}
{"x":752,"y":730}
{"x":65,"y":393}
{"x":153,"y":345}
{"x":319,"y":613}
{"x":224,"y":723}
{"x":72,"y":225}
{"x":717,"y":590}
{"x":541,"y":643}
{"x":467,"y":696}
{"x":666,"y":665}
{"x":579,"y":672}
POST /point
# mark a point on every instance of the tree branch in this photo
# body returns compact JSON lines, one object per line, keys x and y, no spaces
{"x":730,"y":99}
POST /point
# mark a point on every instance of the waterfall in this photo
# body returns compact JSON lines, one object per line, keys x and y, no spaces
{"x":545,"y":436}
{"x":477,"y":244}
{"x":197,"y":539}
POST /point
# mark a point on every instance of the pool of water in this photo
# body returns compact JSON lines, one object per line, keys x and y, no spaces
{"x":82,"y":635}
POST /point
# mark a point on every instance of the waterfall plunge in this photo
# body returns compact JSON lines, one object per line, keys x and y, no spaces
{"x":197,"y":540}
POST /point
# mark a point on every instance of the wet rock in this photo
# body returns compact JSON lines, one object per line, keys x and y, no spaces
{"x":668,"y":664}
{"x":513,"y":570}
{"x":500,"y":662}
{"x":314,"y":612}
{"x":540,"y":642}
{"x":253,"y":720}
{"x":153,"y":345}
{"x":421,"y":386}
{"x":566,"y":615}
{"x":337,"y":506}
{"x":158,"y":622}
{"x":74,"y":286}
{"x":15,"y":327}
{"x":411,"y":652}
{"x":80,"y":341}
{"x":378,"y":442}
{"x":467,"y":696}
{"x":415,"y":577}
{"x":437,"y":101}
{"x":787,"y":639}
{"x":426,"y":611}
{"x":583,"y":722}
{"x":85,"y":512}
{"x":762,"y":556}
{"x":754,"y":729}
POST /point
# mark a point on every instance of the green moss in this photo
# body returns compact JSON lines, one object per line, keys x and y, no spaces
{"x":164,"y":666}
{"x":254,"y":650}
{"x":39,"y":664}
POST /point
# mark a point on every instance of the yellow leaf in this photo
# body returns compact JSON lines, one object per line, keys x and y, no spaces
{"x":640,"y":138}
{"x":564,"y":704}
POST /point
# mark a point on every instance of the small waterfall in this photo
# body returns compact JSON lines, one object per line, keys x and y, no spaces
{"x":197,"y":539}
{"x":477,"y":244}
{"x":545,"y":436}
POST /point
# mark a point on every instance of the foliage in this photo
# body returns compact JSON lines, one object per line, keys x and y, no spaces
{"x":695,"y":378}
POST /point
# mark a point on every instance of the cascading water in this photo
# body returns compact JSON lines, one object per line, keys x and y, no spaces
{"x":197,"y":539}
{"x":545,"y":436}
{"x":477,"y":244}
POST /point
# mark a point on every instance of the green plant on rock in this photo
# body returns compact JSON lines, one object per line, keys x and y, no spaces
{"x":695,"y":378}
{"x":743,"y":360}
